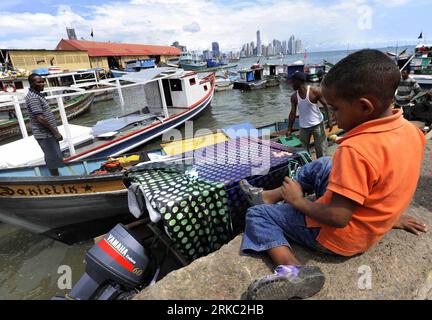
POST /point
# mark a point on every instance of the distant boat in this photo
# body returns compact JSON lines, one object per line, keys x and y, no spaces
{"x":211,"y":63}
{"x":315,"y":72}
{"x":422,"y":65}
{"x":272,"y":74}
{"x":223,"y":83}
{"x":134,"y":66}
{"x":290,"y":69}
{"x":251,"y":78}
{"x":186,"y":62}
{"x":279,"y":56}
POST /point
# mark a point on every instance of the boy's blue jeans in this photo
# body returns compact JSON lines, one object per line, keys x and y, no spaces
{"x":274,"y":225}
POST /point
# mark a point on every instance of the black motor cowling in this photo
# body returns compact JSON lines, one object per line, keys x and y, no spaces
{"x":116,"y":267}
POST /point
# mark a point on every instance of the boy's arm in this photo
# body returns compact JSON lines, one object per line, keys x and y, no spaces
{"x":335,"y":214}
{"x":410,"y":224}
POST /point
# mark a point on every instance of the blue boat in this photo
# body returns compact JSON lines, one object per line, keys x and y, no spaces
{"x":138,"y":65}
{"x":213,"y":63}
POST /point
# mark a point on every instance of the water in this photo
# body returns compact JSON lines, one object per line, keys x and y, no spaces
{"x":29,"y":263}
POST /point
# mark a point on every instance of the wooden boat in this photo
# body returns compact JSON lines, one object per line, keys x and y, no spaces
{"x":9,"y":126}
{"x":173,"y":96}
{"x":79,"y":203}
{"x":251,"y":79}
{"x":69,"y":207}
{"x":272,"y":74}
{"x":186,"y":62}
{"x":223,"y":83}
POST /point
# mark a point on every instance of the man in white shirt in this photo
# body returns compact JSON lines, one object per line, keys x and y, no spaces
{"x":311,"y":119}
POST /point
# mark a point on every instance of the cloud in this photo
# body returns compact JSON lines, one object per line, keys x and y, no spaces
{"x":193,"y":27}
{"x":231,"y":23}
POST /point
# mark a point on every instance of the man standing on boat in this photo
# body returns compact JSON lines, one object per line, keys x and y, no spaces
{"x":311,"y":119}
{"x":408,"y":88}
{"x":44,"y":125}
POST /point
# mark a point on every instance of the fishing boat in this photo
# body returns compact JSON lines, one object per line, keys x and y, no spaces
{"x":172,"y":96}
{"x":314,"y":72}
{"x":251,"y":78}
{"x":187,"y":62}
{"x":134,"y":66}
{"x":70,"y":207}
{"x":9,"y":126}
{"x":421,"y":66}
{"x":290,"y":69}
{"x":212,"y":63}
{"x":223,"y":84}
{"x":272,"y":74}
{"x":86,"y":79}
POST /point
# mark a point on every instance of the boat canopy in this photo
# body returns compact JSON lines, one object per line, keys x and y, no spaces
{"x":149,"y":74}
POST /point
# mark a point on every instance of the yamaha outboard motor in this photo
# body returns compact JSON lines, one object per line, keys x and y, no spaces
{"x":117,"y":267}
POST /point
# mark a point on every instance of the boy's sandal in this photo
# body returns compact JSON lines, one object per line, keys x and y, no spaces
{"x":252,"y":194}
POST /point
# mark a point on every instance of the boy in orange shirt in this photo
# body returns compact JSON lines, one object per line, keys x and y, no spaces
{"x":362,"y":193}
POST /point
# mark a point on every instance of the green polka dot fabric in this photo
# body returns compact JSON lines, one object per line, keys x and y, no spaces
{"x":194,"y":212}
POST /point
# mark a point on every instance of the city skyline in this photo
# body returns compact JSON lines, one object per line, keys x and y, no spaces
{"x":359,"y":23}
{"x":276,"y":47}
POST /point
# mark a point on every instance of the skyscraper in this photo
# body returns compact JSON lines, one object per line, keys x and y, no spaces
{"x":284,"y":47}
{"x":259,"y":49}
{"x":207,"y":54}
{"x":298,"y":46}
{"x":215,"y":49}
{"x":291,"y":45}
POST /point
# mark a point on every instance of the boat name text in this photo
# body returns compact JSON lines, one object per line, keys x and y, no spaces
{"x":46,"y":190}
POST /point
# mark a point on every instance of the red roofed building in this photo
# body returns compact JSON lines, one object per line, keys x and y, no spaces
{"x":110,"y":55}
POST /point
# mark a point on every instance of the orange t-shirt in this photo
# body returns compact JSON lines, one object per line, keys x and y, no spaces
{"x":377,"y":165}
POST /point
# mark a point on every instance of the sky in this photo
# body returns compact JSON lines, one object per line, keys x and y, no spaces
{"x":321,"y":25}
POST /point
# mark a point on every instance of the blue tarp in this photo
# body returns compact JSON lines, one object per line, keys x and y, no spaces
{"x":250,"y":76}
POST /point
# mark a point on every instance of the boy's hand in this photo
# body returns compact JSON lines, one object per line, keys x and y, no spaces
{"x":410,"y":224}
{"x":291,"y":191}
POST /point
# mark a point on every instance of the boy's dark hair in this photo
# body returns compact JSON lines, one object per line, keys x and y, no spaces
{"x":32,"y":76}
{"x":365,"y":73}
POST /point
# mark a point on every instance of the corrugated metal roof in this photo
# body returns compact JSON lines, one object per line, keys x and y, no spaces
{"x":107,"y":49}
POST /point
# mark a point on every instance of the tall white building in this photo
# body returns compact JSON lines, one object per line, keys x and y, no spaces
{"x":298,"y":46}
{"x":259,"y":49}
{"x":291,"y":45}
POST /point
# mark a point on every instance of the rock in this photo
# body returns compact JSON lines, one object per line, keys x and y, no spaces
{"x":393,"y":269}
{"x":425,"y":292}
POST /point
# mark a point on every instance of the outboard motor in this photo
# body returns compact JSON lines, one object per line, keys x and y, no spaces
{"x":117,"y":266}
